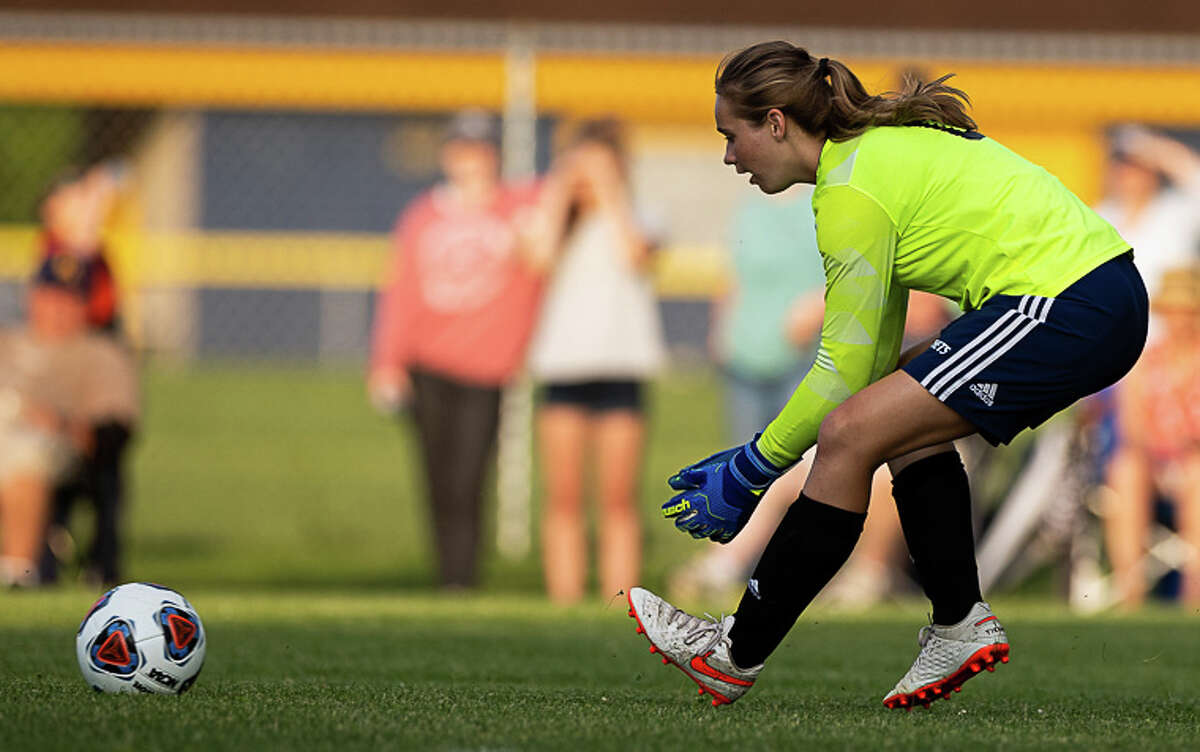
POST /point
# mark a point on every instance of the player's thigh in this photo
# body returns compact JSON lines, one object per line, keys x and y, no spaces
{"x":892,"y":417}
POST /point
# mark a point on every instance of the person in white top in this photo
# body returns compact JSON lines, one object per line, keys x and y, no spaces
{"x":598,"y":341}
{"x":1152,"y":197}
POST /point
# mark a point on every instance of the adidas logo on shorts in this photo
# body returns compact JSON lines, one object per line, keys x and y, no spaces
{"x":985,"y":392}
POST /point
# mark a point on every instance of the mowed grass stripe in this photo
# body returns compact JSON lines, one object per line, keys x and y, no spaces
{"x":351,"y":672}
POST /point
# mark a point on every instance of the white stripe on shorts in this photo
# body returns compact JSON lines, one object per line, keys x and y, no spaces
{"x":1017,"y":323}
{"x":967,"y":349}
{"x":989,"y":345}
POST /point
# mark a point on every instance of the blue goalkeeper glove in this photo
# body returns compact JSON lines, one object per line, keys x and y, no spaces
{"x":719,"y":493}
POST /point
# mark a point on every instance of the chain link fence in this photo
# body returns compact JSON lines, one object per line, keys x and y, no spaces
{"x":262,"y":161}
{"x":253,"y":222}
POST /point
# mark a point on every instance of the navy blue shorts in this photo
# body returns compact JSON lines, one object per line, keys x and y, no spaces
{"x":1019,"y":359}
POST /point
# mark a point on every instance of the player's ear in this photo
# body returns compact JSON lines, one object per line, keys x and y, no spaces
{"x":777,"y":123}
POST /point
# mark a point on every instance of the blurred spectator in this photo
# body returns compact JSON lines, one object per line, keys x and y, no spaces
{"x":1152,"y":197}
{"x":1157,"y":456}
{"x":74,"y":212}
{"x":777,"y":278}
{"x":55,"y":385}
{"x":598,"y":341}
{"x":452,"y":327}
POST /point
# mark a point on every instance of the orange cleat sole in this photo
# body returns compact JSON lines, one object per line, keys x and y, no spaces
{"x":985,"y":658}
{"x":718,"y":699}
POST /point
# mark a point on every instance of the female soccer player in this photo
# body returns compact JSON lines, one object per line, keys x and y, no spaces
{"x":909,"y":196}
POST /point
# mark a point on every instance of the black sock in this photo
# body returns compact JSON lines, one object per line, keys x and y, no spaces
{"x":810,"y":546}
{"x":934,"y":502}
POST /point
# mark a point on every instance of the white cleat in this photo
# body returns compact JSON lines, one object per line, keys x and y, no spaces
{"x":698,"y":647}
{"x":949,"y":656}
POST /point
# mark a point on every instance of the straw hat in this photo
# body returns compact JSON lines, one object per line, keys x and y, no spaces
{"x":1180,"y":288}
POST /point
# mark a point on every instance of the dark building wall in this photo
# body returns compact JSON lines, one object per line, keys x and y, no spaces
{"x":332,"y":172}
{"x":1174,"y":16}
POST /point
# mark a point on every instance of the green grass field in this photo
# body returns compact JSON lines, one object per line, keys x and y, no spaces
{"x":289,"y":515}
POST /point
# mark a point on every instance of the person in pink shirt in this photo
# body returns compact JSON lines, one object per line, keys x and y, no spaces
{"x":451,"y":329}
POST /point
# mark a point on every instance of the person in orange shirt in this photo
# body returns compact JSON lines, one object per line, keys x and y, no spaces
{"x":451,"y":329}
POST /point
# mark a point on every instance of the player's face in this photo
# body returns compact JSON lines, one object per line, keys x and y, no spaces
{"x":754,"y":148}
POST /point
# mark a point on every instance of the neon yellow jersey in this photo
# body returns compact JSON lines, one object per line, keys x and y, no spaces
{"x":934,"y":209}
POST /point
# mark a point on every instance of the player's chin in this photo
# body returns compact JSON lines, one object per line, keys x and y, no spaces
{"x":766,"y":186}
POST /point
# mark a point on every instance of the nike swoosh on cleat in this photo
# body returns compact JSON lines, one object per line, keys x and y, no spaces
{"x":699,"y":664}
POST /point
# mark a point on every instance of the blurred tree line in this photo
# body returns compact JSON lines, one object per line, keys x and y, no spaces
{"x":40,"y":143}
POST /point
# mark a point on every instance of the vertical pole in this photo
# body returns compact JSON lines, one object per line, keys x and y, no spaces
{"x":514,"y":454}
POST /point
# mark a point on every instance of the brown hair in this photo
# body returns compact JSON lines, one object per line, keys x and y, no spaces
{"x":606,"y":131}
{"x":824,"y":97}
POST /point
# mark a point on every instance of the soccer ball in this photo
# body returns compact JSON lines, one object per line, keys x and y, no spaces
{"x":141,"y":637}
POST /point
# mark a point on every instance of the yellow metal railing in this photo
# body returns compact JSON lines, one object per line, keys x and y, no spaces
{"x":644,"y":88}
{"x":326,"y":261}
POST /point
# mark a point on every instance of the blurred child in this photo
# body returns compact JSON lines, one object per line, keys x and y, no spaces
{"x":74,"y":212}
{"x":52,"y":391}
{"x":598,"y":341}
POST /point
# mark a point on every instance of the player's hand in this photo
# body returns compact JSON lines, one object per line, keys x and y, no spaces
{"x":718,"y":493}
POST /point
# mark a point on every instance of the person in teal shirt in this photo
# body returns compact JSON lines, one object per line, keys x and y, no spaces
{"x":909,"y":196}
{"x":763,"y":341}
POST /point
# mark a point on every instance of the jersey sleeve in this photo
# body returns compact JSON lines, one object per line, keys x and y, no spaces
{"x":864,"y":318}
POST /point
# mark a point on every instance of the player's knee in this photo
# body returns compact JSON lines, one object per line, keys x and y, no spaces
{"x":836,"y":435}
{"x":846,"y":435}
